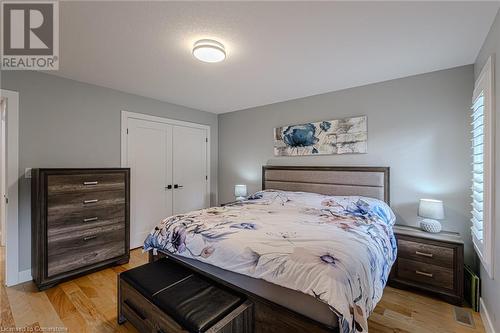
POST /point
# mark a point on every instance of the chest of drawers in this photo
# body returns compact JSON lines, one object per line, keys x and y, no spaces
{"x":79,"y":222}
{"x":429,"y":262}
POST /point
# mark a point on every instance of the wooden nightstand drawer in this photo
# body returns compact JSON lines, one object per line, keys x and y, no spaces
{"x":431,"y":254}
{"x":424,"y":273}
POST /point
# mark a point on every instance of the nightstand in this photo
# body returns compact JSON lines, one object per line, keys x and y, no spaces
{"x":429,"y":262}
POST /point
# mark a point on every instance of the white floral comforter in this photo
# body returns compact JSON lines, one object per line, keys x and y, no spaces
{"x":336,"y":249}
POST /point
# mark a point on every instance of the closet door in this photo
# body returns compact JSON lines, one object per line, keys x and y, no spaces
{"x":149,"y":157}
{"x":189,"y":169}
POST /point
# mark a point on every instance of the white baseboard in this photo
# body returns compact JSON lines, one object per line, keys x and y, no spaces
{"x":485,"y":316}
{"x":24,"y":276}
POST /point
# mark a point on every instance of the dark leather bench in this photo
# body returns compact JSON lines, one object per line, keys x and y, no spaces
{"x":164,"y":297}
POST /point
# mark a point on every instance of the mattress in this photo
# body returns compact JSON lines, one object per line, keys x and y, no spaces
{"x":288,"y":298}
{"x":310,"y":248}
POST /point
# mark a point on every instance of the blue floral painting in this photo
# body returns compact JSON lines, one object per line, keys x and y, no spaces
{"x":341,"y":136}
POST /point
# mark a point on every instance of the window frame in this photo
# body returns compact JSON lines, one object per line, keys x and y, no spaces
{"x":485,"y":85}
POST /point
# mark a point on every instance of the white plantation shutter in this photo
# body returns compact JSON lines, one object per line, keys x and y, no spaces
{"x":478,"y":166}
{"x":483,"y":129}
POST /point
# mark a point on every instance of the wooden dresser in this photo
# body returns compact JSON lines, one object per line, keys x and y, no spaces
{"x":429,"y":262}
{"x":79,"y":221}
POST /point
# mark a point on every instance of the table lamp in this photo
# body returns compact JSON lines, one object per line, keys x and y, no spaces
{"x":431,"y":210}
{"x":240,"y":192}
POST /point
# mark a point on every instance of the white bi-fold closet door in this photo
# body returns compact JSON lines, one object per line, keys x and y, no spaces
{"x":168,"y":172}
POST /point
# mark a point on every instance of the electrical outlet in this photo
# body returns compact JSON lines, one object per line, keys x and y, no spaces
{"x":27,"y":173}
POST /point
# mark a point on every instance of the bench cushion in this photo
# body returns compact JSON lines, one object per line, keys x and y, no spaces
{"x":196,"y":304}
{"x":150,"y":278}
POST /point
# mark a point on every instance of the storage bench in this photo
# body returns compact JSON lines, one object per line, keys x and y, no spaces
{"x":164,"y":297}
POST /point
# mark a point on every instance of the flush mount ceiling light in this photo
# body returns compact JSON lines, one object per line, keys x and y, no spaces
{"x":209,"y":50}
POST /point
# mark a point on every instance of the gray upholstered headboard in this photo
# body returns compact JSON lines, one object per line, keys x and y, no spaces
{"x":365,"y":181}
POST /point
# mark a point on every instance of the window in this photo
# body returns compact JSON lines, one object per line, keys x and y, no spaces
{"x":483,"y":129}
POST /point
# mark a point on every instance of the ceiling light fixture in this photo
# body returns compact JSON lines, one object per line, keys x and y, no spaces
{"x":209,"y":50}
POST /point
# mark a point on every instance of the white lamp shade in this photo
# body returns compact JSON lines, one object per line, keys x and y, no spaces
{"x":240,"y":191}
{"x":430,"y":208}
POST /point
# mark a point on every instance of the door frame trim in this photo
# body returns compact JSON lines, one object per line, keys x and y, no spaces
{"x":126,"y":115}
{"x":12,"y":274}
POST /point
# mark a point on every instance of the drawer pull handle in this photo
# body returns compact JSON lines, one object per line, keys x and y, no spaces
{"x":90,"y":183}
{"x":134,"y":309}
{"x":85,"y":202}
{"x":423,"y":254}
{"x":424,"y":274}
{"x":90,"y":219}
{"x":89,"y":237}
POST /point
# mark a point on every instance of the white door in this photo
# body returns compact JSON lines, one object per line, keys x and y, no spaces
{"x":149,"y":158}
{"x":190,"y":169}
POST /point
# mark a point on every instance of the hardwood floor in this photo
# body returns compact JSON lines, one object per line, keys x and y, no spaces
{"x":88,"y":304}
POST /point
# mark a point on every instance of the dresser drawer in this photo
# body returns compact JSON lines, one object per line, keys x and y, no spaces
{"x":73,"y":250}
{"x":77,"y":221}
{"x":85,"y":182}
{"x":81,"y":200}
{"x":425,"y":274}
{"x":82,"y":210}
{"x":427,"y":253}
{"x":70,"y":209}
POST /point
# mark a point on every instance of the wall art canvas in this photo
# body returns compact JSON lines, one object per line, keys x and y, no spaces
{"x":340,"y":136}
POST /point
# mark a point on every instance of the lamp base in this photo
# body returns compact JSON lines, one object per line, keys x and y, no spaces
{"x":430,"y":225}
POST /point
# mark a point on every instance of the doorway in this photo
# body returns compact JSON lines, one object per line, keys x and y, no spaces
{"x":9,"y":175}
{"x":3,"y":157}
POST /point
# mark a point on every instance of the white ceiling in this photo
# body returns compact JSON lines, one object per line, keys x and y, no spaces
{"x":276,"y":51}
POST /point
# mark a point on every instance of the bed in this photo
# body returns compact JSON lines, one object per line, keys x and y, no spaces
{"x":313,"y":249}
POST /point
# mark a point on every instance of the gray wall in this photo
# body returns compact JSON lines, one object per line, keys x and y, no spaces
{"x":417,"y":125}
{"x":65,"y":123}
{"x":491,"y":288}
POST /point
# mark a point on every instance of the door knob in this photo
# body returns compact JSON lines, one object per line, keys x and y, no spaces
{"x":178,"y":186}
{"x":168,"y":187}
